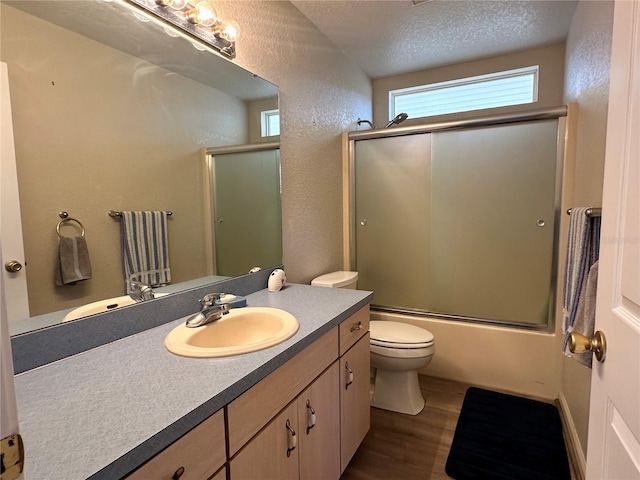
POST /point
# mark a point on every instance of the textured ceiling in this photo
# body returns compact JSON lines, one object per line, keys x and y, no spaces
{"x":388,"y":37}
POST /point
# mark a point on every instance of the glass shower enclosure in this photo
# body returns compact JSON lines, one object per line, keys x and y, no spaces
{"x":460,"y":220}
{"x":246,"y":207}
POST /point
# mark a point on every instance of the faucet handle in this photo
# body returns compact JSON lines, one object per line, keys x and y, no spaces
{"x":210,"y":299}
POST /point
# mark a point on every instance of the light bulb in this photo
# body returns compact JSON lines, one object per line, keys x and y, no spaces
{"x":174,"y":4}
{"x":228,"y":30}
{"x":202,"y":14}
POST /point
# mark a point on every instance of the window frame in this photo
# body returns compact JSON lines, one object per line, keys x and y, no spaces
{"x":267,"y":117}
{"x":485,"y":78}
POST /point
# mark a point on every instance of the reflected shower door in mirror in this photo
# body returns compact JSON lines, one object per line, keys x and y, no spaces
{"x":111,"y":113}
{"x":461,"y":223}
{"x":246,"y":207}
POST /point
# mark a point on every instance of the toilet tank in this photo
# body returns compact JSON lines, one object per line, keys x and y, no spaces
{"x":342,"y":279}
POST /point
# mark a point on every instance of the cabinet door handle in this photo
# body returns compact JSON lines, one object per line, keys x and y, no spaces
{"x":357,"y":326}
{"x":349,"y":376}
{"x":178,"y":473}
{"x":311,"y":417}
{"x":293,"y":439}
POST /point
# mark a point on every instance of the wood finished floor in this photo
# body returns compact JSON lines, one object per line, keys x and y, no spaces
{"x":411,"y":447}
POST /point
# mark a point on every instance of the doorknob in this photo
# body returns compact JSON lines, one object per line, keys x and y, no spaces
{"x":581,"y":344}
{"x":13,"y":266}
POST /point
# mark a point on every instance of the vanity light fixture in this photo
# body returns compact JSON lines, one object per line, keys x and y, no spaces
{"x":195,"y":20}
{"x":175,"y":4}
{"x":202,"y":14}
{"x":228,"y":30}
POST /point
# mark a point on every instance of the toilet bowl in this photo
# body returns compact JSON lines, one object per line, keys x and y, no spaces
{"x":398,"y":350}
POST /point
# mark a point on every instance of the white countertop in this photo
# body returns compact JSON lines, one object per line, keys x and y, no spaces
{"x":103,"y":412}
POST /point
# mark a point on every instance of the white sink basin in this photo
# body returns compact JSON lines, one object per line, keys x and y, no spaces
{"x":102,"y":306}
{"x":242,"y":330}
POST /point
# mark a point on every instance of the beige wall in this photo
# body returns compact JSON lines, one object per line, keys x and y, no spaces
{"x":550,"y":59}
{"x":322,"y":93}
{"x":587,"y":61}
{"x":92,"y":127}
{"x":255,"y":109}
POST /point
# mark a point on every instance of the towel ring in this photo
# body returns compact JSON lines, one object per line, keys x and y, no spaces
{"x":69,"y":219}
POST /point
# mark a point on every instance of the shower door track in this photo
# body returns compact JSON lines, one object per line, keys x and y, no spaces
{"x":461,"y":318}
{"x":349,"y":206}
{"x":537,"y":114}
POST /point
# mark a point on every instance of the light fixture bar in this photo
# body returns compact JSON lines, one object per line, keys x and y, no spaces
{"x":184,"y":27}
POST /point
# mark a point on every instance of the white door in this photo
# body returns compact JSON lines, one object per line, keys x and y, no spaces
{"x":15,"y":283}
{"x":614,"y":420}
{"x":8,"y":407}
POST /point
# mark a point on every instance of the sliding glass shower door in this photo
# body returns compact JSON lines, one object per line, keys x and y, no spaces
{"x":460,"y":222}
{"x":247,"y":211}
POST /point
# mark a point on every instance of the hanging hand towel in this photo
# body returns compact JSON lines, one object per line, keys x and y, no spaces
{"x":585,"y":317}
{"x":72,"y":263}
{"x":582,"y":252}
{"x":145,"y":248}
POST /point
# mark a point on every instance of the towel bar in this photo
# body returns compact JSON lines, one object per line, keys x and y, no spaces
{"x":591,"y":212}
{"x":116,"y":214}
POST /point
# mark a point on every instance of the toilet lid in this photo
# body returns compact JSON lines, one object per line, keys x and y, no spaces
{"x":399,"y":335}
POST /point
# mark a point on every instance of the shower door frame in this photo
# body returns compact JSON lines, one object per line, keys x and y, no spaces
{"x":208,"y":172}
{"x":349,"y":204}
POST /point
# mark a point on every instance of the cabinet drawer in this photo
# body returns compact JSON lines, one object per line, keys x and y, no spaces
{"x":353,"y":328}
{"x":200,"y":452}
{"x":252,"y":410}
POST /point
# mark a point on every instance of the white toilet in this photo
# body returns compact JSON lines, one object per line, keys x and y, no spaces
{"x":398,"y":350}
{"x":340,"y":279}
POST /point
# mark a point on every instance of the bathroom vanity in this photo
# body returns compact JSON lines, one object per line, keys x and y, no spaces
{"x":130,"y":409}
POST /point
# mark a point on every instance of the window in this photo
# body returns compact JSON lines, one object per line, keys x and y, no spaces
{"x":270,"y":122}
{"x":511,"y":87}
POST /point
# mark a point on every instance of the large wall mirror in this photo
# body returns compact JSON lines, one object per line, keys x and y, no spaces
{"x":113,"y":113}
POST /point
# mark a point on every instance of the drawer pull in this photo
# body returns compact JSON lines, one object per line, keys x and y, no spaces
{"x":293,"y":439}
{"x":311,"y":417}
{"x":178,"y":473}
{"x":349,"y":376}
{"x":357,"y":326}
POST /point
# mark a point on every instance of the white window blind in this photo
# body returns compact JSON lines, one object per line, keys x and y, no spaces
{"x":270,"y":123}
{"x":512,"y":87}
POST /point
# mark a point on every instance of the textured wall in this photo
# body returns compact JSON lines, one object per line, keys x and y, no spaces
{"x":587,"y":84}
{"x":322,"y":93}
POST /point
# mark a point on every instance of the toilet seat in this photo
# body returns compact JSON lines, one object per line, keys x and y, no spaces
{"x":399,"y":335}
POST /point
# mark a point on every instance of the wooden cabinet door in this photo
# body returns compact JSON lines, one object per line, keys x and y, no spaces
{"x":319,"y":419}
{"x":268,"y":456}
{"x":198,"y":454}
{"x":354,"y":399}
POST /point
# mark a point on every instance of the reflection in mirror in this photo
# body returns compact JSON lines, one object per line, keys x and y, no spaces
{"x":246,"y":207}
{"x":111,"y":113}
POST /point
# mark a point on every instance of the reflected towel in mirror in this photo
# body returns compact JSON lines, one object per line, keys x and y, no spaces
{"x":72,"y":262}
{"x":145,"y":248}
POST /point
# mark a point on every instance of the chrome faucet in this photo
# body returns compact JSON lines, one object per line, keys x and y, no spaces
{"x":141,"y":292}
{"x":211,"y":311}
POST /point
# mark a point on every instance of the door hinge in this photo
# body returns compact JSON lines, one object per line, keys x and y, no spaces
{"x":12,"y":461}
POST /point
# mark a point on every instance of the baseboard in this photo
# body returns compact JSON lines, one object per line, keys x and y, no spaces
{"x":576,"y":456}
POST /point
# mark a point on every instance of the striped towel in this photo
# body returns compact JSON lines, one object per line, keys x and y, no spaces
{"x":145,"y":248}
{"x":583,"y":250}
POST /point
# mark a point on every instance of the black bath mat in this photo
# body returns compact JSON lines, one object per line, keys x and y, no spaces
{"x":505,"y":437}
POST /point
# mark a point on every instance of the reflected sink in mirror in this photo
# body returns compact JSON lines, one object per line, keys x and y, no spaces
{"x":102,"y":306}
{"x":242,"y":330}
